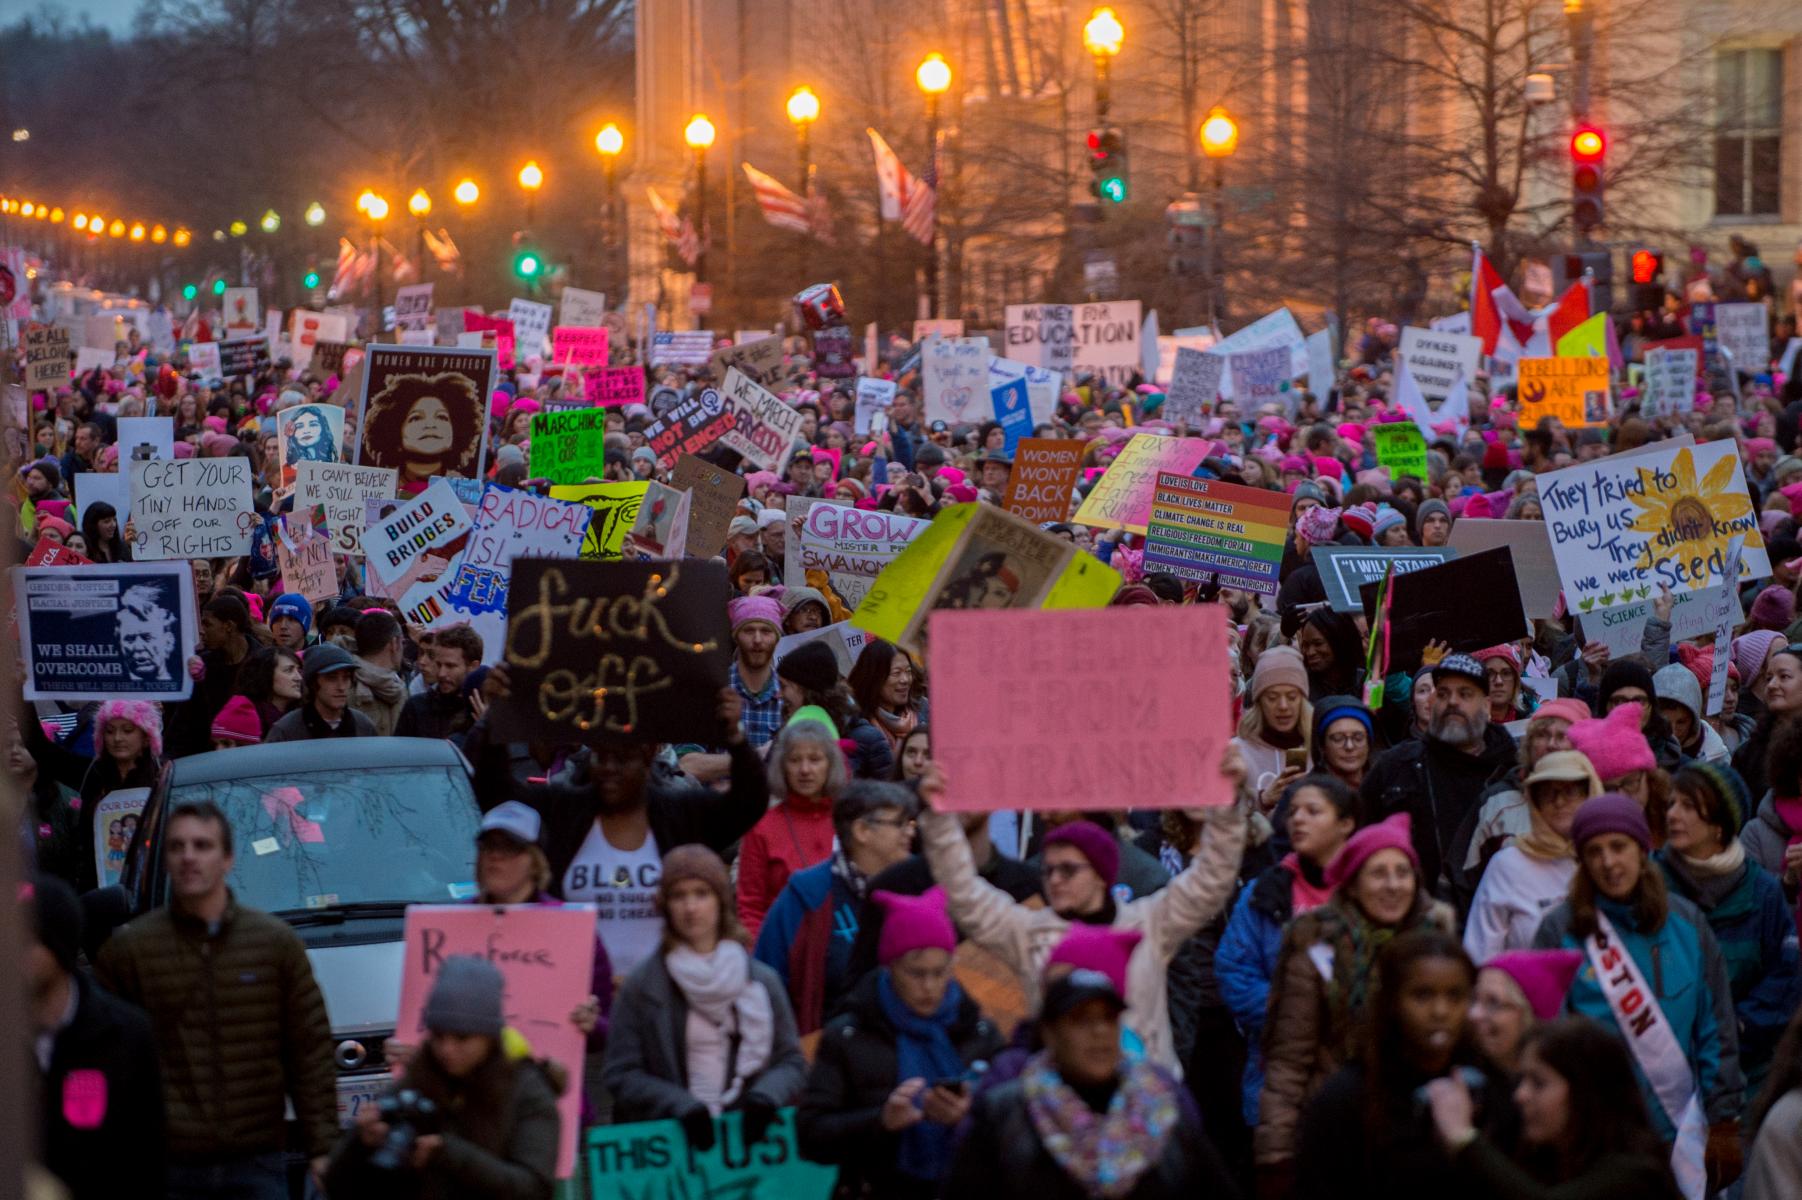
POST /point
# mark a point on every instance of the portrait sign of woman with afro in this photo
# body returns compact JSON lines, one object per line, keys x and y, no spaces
{"x":424,"y":412}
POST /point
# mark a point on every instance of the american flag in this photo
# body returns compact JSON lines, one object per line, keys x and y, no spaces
{"x":679,"y":230}
{"x":781,"y":207}
{"x":354,"y":264}
{"x":913,"y":202}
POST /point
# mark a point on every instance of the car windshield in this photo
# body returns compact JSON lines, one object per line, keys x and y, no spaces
{"x":401,"y":834}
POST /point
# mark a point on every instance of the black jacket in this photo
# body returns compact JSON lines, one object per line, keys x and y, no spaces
{"x":1003,"y":1158}
{"x":100,"y":1109}
{"x":680,"y":810}
{"x":434,"y":714}
{"x":1436,"y":785}
{"x":854,"y":1069}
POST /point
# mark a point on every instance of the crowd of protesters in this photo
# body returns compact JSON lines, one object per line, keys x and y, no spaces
{"x":1527,"y":928}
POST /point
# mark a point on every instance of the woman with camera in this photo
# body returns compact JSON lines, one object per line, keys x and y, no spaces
{"x":467,"y":1119}
{"x":701,"y":1028}
{"x":894,"y":1071}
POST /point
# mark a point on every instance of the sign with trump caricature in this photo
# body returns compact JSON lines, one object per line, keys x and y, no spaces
{"x":424,"y":412}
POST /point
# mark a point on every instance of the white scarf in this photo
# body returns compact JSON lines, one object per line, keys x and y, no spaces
{"x":1655,"y":1048}
{"x":1726,"y":862}
{"x":730,"y":1027}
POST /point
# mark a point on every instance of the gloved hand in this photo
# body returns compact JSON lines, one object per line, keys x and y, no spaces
{"x":1724,"y":1157}
{"x":758,"y":1115}
{"x":697,"y":1126}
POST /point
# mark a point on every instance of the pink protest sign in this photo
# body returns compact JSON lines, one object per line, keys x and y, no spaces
{"x":606,"y":387}
{"x":573,"y":345}
{"x":1081,"y":708}
{"x":500,"y":327}
{"x":547,"y":957}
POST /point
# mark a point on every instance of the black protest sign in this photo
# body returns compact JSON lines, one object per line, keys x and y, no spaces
{"x":1468,"y":603}
{"x":689,"y":427}
{"x":243,"y":356}
{"x":1345,"y":569}
{"x":633,"y":651}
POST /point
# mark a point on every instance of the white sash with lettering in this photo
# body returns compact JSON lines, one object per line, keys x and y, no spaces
{"x":1655,"y":1048}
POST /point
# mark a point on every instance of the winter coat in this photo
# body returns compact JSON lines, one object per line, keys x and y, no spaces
{"x":93,"y":779}
{"x":1245,"y":962}
{"x":807,"y":939}
{"x":1748,"y":760}
{"x":378,"y":694}
{"x":1774,"y":1163}
{"x":1766,"y":837}
{"x":856,"y":1066}
{"x":1437,"y":785}
{"x":524,"y":1169}
{"x":680,"y":810}
{"x":1753,"y":926}
{"x":792,"y":836}
{"x":434,"y":714}
{"x":240,"y":1030}
{"x":1002,"y":1157}
{"x":872,"y":757}
{"x":106,"y":1058}
{"x":1516,"y":893}
{"x":1306,"y":1038}
{"x":1024,"y":937}
{"x":304,"y":724}
{"x":1617,"y":1176}
{"x":1682,"y":963}
{"x":646,"y":1068}
{"x":912,"y":877}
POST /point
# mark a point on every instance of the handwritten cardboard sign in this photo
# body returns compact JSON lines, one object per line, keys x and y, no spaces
{"x":512,"y":523}
{"x":763,"y":427}
{"x":306,"y":562}
{"x":613,"y":509}
{"x":1575,"y":390}
{"x":760,"y":359}
{"x":1041,"y":334}
{"x":579,"y":306}
{"x":845,"y":540}
{"x":1401,"y":448}
{"x":1345,"y":569}
{"x":546,"y":956}
{"x":653,"y":1159}
{"x":1011,"y":688}
{"x":343,"y":489}
{"x":1204,"y":529}
{"x":1622,"y":525}
{"x":1106,"y":337}
{"x":1122,"y":498}
{"x":1043,"y":480}
{"x":715,"y":494}
{"x":632,"y":650}
{"x":569,"y":447}
{"x":47,"y":358}
{"x":191,"y":508}
{"x":873,"y":396}
{"x":1194,"y":385}
{"x":954,"y":374}
{"x":1436,"y":359}
{"x":531,"y":326}
{"x":91,"y":632}
{"x":1261,"y":377}
{"x":610,"y":387}
{"x":1670,"y":382}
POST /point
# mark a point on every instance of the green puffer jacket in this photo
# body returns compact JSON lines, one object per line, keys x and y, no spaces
{"x":240,"y":1025}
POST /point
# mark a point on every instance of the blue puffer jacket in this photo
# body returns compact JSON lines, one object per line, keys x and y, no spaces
{"x":1757,"y":935}
{"x":1245,"y":962}
{"x":1682,"y":963}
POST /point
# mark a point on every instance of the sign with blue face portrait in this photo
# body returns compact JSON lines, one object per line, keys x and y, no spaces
{"x":424,"y":412}
{"x":106,"y":630}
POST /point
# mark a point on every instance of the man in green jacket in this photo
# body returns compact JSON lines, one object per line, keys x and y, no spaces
{"x":239,"y":1022}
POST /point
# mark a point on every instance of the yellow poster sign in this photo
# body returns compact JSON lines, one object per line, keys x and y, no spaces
{"x":1574,"y":390}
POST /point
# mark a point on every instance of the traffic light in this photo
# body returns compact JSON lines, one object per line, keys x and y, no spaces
{"x":1588,"y":150}
{"x":527,"y":264}
{"x":1648,"y":279}
{"x":1107,"y":162}
{"x":310,"y":281}
{"x":189,"y":291}
{"x":218,"y":287}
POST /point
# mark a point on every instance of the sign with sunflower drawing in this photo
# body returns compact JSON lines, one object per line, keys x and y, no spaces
{"x":1625,"y":525}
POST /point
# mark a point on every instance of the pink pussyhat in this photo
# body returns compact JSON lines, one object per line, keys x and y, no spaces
{"x":1543,"y":976}
{"x":913,"y":923}
{"x":1097,"y":948}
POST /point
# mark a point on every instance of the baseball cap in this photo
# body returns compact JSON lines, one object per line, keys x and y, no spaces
{"x":1080,"y":986}
{"x":1462,"y":665}
{"x":518,"y":821}
{"x":324,"y":659}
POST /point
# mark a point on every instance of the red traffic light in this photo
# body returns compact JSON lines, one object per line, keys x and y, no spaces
{"x":1588,"y":144}
{"x":1646,"y":266}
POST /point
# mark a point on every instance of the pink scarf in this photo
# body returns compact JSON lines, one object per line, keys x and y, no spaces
{"x":1303,"y":895}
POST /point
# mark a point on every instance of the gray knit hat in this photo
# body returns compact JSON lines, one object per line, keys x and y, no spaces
{"x":466,"y":998}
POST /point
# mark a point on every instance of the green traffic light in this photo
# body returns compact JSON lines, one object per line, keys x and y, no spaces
{"x":218,"y":287}
{"x":1114,"y":188}
{"x":527,"y":265}
{"x":311,"y":281}
{"x":189,"y":292}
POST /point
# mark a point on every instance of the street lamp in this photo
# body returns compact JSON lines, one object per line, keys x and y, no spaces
{"x":271,"y":222}
{"x":375,"y":207}
{"x":1102,"y":36}
{"x":1219,"y":138}
{"x":466,"y":192}
{"x":315,"y":214}
{"x":609,"y":143}
{"x":420,"y":205}
{"x":803,"y":111}
{"x":934,"y":77}
{"x":531,"y":178}
{"x":699,"y":135}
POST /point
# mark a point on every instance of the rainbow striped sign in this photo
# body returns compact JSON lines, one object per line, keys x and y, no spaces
{"x":1202,"y":528}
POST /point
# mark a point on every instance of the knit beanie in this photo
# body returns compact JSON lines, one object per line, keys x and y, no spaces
{"x":1094,"y":843}
{"x":1774,"y":608}
{"x":1307,"y":491}
{"x":141,"y":713}
{"x":812,"y":665}
{"x":1611,"y":812}
{"x":1318,"y":525}
{"x":1278,"y":665}
{"x":1565,"y":708}
{"x":913,"y":923}
{"x":1678,"y":684}
{"x":1614,"y":745}
{"x":238,"y":722}
{"x":1623,"y":673}
{"x":1543,"y":976}
{"x":1428,"y":508}
{"x":466,"y":997}
{"x":1505,"y":652}
{"x":1100,"y":948}
{"x":1360,"y":519}
{"x":1750,"y":651}
{"x":1392,"y":833}
{"x":1387,"y":519}
{"x":56,"y":913}
{"x":1729,"y":788}
{"x":1339,"y":708}
{"x":746,"y":609}
{"x":694,"y":861}
{"x":292,"y":604}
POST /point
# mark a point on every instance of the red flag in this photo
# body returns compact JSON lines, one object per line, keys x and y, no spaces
{"x":1494,"y":309}
{"x":1571,"y":311}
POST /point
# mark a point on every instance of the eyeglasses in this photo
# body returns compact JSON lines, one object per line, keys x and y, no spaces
{"x":891,"y":822}
{"x":1063,"y":870}
{"x":1346,"y":740}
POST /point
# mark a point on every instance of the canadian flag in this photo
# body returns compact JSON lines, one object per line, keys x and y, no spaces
{"x":1496,"y":313}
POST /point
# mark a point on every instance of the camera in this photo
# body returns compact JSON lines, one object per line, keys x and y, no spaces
{"x":409,"y":1116}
